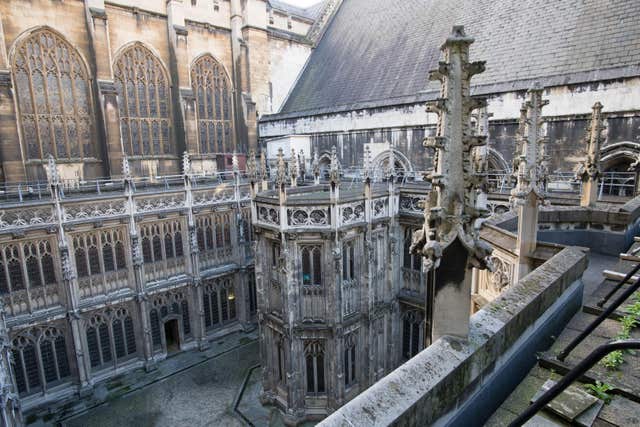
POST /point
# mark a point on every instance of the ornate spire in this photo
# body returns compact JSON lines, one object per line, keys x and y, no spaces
{"x":186,"y":164}
{"x":590,"y":167}
{"x":234,"y":163}
{"x":316,"y":164}
{"x":520,"y":137}
{"x":252,"y":170}
{"x":302,"y":164}
{"x":293,"y":167}
{"x":54,"y":178}
{"x":334,"y":172}
{"x":366,"y":173}
{"x":281,"y":176}
{"x":451,"y":207}
{"x":532,"y":161}
{"x":263,"y":166}
{"x":126,"y":171}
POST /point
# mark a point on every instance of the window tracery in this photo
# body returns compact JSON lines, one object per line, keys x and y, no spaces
{"x":143,"y":89}
{"x":164,"y":307}
{"x":54,"y":99}
{"x":314,"y":360}
{"x":110,"y":337}
{"x":212,"y":89}
{"x":219,"y":302}
{"x":312,"y":265}
{"x":40,"y":359}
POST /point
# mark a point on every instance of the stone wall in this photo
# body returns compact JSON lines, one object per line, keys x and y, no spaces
{"x":451,"y":373}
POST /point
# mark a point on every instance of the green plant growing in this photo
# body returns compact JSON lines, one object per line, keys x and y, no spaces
{"x":599,"y":390}
{"x":613,"y":360}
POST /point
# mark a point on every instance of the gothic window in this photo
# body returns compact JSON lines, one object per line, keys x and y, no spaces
{"x":110,"y":337}
{"x":314,"y":361}
{"x":212,"y":89}
{"x":311,"y":266}
{"x":26,"y":264}
{"x":350,"y":359}
{"x":161,"y":242}
{"x":281,"y":360}
{"x":348,"y":261}
{"x":143,"y":90}
{"x":99,"y":253}
{"x":165,"y":307}
{"x":253,"y":299}
{"x":411,"y":334}
{"x":54,"y":99}
{"x":39,"y":359}
{"x":410,"y":261}
{"x":155,"y":328}
{"x":275,"y":254}
{"x":219,"y":303}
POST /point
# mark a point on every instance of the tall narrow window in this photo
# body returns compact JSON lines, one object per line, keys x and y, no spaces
{"x":212,"y":89}
{"x":143,"y":88}
{"x":348,"y":261}
{"x":350,"y":359}
{"x":312,"y":266}
{"x":411,"y":334}
{"x":54,"y":100}
{"x":314,"y":360}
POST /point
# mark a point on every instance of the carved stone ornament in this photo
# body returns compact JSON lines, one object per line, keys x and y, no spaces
{"x":590,"y":167}
{"x":252,"y":169}
{"x":451,"y":209}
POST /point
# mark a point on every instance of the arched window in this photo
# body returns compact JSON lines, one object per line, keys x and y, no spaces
{"x":410,"y":261}
{"x":314,"y":360}
{"x":39,"y":354}
{"x":110,"y":337}
{"x":411,"y":334}
{"x":143,"y":90}
{"x":212,"y":89}
{"x":54,"y":99}
{"x":311,"y":266}
{"x":349,"y":359}
{"x":219,"y":303}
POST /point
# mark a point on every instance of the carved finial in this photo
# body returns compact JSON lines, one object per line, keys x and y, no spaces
{"x":316,"y":164}
{"x":252,"y":171}
{"x":234,"y":163}
{"x":186,"y":164}
{"x":281,"y":176}
{"x":126,"y":171}
{"x":533,"y":162}
{"x":590,"y":167}
{"x":54,"y":178}
{"x":451,"y":207}
{"x":293,"y":165}
{"x":302,"y":163}
{"x":366,"y":173}
{"x":263,"y":166}
{"x":334,"y":172}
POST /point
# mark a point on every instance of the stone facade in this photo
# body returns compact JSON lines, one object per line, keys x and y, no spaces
{"x":332,"y":321}
{"x":92,"y":81}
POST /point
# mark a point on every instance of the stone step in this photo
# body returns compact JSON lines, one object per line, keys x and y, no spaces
{"x":597,"y":311}
{"x":573,"y":405}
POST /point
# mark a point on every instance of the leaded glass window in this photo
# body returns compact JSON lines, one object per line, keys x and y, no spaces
{"x":212,"y":89}
{"x":311,"y":266}
{"x":54,"y":99}
{"x":220,"y":303}
{"x":314,"y":360}
{"x":143,"y":89}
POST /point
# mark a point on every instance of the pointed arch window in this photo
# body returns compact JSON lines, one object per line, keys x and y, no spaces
{"x":212,"y":89}
{"x":54,"y":99}
{"x":143,"y":90}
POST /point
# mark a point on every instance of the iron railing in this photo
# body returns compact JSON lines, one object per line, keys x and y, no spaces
{"x":580,"y":369}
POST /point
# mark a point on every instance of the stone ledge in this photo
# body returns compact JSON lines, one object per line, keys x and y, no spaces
{"x":427,"y":386}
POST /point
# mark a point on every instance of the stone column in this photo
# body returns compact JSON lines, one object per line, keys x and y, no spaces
{"x":10,"y":410}
{"x":69,"y":282}
{"x":590,"y":170}
{"x":138,"y":269}
{"x":10,"y":150}
{"x":529,"y":190}
{"x":448,"y":240}
{"x":242,"y":105}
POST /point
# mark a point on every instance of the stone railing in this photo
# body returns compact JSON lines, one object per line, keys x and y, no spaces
{"x":463,"y":381}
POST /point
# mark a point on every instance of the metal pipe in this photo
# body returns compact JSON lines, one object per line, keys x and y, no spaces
{"x":619,"y":285}
{"x":593,"y":325}
{"x":575,"y":373}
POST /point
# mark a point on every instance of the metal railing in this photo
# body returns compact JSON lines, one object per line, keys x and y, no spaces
{"x":580,"y":369}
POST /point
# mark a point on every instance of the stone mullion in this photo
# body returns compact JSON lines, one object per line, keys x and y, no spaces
{"x":63,"y":111}
{"x":25,"y":274}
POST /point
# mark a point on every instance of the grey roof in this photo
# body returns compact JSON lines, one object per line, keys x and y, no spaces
{"x":310,"y":12}
{"x":379,"y":52}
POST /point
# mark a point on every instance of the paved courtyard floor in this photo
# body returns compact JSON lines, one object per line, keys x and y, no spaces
{"x":201,"y":395}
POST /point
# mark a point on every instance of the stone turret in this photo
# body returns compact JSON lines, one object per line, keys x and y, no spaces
{"x":529,"y":191}
{"x":448,"y":240}
{"x":590,"y":168}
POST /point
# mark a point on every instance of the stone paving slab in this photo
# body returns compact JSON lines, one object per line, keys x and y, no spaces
{"x":190,"y":388}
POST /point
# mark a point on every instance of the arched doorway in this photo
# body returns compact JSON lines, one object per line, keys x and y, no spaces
{"x":172,"y":335}
{"x":618,"y":177}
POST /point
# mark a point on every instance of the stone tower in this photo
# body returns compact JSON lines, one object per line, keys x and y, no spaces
{"x":448,"y":240}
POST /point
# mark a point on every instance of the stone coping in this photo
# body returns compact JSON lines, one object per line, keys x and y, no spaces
{"x":426,"y":387}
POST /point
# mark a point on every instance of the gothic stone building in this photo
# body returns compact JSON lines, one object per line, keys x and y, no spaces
{"x":580,"y":52}
{"x":340,"y":297}
{"x":112,"y":267}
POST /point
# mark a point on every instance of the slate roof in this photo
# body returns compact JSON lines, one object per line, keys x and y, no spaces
{"x":310,"y":12}
{"x":378,"y":52}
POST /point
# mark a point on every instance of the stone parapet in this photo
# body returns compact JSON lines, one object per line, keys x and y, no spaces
{"x":444,"y":376}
